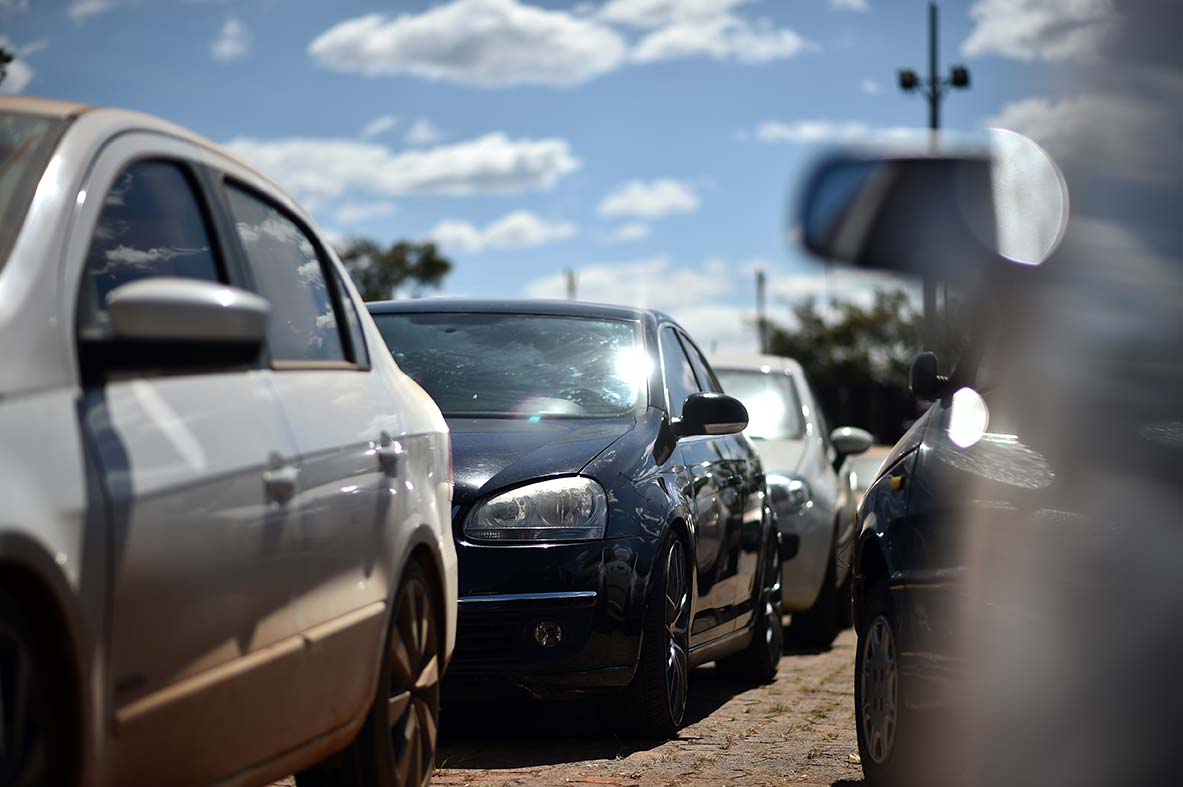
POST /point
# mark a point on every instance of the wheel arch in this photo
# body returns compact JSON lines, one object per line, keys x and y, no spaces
{"x":870,"y":567}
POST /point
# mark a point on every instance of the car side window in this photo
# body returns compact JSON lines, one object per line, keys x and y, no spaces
{"x":702,"y":370}
{"x":151,"y":225}
{"x":679,"y":375}
{"x":291,"y":275}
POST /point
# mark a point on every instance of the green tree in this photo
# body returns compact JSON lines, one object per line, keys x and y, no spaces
{"x":853,"y":343}
{"x":380,"y":272}
{"x":6,"y":57}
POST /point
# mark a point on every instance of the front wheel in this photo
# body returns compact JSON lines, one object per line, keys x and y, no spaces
{"x":659,"y":688}
{"x":879,"y":709}
{"x":396,"y":747}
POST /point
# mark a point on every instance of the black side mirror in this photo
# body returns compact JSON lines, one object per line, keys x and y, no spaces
{"x":926,"y":384}
{"x":711,"y":413}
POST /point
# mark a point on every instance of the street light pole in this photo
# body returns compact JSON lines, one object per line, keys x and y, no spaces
{"x":933,"y":89}
{"x":761,"y":315}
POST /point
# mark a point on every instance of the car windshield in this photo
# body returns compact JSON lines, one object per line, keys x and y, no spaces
{"x":517,"y":365}
{"x":25,"y":143}
{"x":774,"y":411}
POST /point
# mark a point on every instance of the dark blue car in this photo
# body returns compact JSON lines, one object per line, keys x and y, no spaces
{"x":611,"y":521}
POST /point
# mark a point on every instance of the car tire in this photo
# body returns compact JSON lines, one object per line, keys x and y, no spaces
{"x":816,"y":627}
{"x":760,"y":660}
{"x":657,"y":694}
{"x":36,"y":731}
{"x":880,"y":720}
{"x":396,"y":746}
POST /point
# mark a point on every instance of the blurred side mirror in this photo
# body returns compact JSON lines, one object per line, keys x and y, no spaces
{"x":926,"y":384}
{"x":936,"y":215}
{"x":165,"y":309}
{"x":711,"y":413}
{"x":850,"y":440}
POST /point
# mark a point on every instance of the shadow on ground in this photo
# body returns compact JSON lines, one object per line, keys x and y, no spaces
{"x":523,"y":733}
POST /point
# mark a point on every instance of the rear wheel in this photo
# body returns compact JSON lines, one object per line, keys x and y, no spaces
{"x":396,"y":747}
{"x":659,"y":688}
{"x":761,"y":659}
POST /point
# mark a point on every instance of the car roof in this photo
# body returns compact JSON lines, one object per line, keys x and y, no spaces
{"x":536,"y":306}
{"x":753,"y":361}
{"x":45,"y":107}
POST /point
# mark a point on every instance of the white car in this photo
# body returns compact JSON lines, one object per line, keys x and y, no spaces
{"x":811,"y":485}
{"x":225,"y":545}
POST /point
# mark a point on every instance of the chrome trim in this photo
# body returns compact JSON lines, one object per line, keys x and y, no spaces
{"x":572,"y":595}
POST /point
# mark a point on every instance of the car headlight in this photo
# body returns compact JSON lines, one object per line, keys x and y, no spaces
{"x":789,"y":495}
{"x":561,"y":509}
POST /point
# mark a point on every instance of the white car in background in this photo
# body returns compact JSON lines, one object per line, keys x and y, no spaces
{"x":811,"y":486}
{"x":225,"y":528}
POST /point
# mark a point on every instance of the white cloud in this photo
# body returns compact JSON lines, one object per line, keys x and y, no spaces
{"x":354,"y":212}
{"x":80,"y":10}
{"x":850,"y":5}
{"x":233,"y":42}
{"x":829,"y":131}
{"x":722,"y":37}
{"x":869,"y":86}
{"x":325,"y":168}
{"x":518,"y":230}
{"x":654,"y":282}
{"x":657,"y":13}
{"x":422,"y":132}
{"x":379,"y":125}
{"x":489,"y":43}
{"x":650,"y":200}
{"x":1040,"y":29}
{"x":17,"y":74}
{"x":1121,"y":135}
{"x":806,"y":131}
{"x":630,"y":232}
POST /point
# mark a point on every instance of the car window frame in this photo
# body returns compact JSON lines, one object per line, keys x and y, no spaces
{"x":661,"y":357}
{"x":335,"y":288}
{"x":711,"y":385}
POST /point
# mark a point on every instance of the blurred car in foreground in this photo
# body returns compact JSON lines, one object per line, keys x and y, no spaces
{"x":810,"y":484}
{"x":224,"y":547}
{"x":1017,"y":589}
{"x":611,"y":522}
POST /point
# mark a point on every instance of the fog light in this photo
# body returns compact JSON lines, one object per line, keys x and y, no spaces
{"x":548,"y":634}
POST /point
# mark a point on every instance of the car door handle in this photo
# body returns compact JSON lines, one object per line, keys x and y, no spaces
{"x":279,"y":479}
{"x":390,"y":451}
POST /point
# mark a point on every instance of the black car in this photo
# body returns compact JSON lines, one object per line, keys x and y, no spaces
{"x":611,"y":521}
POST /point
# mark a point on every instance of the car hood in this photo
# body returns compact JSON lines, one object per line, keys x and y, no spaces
{"x":780,"y":456}
{"x":494,"y":453}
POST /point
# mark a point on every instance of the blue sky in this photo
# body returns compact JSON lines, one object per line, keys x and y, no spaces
{"x":650,"y":145}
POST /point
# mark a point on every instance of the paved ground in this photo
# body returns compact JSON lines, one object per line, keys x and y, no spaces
{"x":797,"y":731}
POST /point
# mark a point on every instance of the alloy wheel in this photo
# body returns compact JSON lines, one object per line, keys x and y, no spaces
{"x":414,"y":702}
{"x":880,"y":690}
{"x":677,"y":626}
{"x":773,"y":632}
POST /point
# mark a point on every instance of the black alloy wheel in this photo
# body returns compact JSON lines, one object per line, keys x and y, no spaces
{"x":656,"y":698}
{"x":677,"y":628}
{"x":396,"y":747}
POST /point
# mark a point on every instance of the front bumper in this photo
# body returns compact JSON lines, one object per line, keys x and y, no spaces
{"x":593,"y":591}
